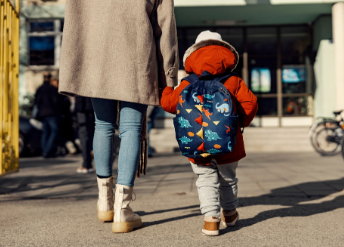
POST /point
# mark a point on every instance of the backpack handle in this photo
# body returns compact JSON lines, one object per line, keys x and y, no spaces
{"x":206,"y":75}
{"x":192,"y":78}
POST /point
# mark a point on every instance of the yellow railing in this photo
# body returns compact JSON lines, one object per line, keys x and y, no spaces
{"x":9,"y":73}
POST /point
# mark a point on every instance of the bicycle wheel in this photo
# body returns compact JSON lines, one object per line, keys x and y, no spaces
{"x":327,"y":140}
{"x":315,"y":129}
{"x":312,"y":134}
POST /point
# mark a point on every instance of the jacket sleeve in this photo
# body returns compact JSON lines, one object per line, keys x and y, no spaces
{"x":247,"y":103}
{"x":166,"y":40}
{"x":170,"y":98}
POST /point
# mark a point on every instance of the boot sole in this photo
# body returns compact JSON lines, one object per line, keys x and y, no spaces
{"x":230,"y":223}
{"x":126,"y":226}
{"x":210,"y":233}
{"x":105,"y":216}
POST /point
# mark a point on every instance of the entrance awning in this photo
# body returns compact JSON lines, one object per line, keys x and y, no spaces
{"x":251,"y":14}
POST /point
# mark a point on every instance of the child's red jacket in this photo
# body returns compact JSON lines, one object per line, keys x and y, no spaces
{"x":216,"y":60}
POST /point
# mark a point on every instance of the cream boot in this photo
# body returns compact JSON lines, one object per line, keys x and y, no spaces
{"x":105,"y":200}
{"x":124,"y":220}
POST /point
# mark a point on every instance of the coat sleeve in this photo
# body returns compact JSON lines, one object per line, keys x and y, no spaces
{"x":165,"y":33}
{"x":247,"y":103}
{"x":169,"y":98}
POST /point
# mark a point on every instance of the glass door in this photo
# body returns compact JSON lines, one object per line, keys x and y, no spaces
{"x":297,"y":82}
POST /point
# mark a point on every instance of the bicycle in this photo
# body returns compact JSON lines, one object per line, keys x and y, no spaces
{"x":327,"y":135}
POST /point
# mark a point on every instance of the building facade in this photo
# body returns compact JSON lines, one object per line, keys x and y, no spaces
{"x":291,"y":51}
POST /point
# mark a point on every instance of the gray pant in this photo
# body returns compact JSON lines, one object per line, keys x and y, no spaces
{"x":213,"y":180}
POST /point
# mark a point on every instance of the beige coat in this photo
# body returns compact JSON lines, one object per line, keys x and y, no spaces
{"x":122,"y":50}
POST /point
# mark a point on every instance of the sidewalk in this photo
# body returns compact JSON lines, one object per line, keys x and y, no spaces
{"x":286,"y":199}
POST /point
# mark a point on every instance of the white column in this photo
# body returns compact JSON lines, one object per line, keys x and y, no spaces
{"x":338,"y":38}
{"x":58,"y":37}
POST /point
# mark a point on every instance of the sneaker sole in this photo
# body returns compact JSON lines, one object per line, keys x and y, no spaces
{"x":210,"y":233}
{"x":126,"y":226}
{"x":231,"y":223}
{"x":82,"y":171}
{"x":105,"y":216}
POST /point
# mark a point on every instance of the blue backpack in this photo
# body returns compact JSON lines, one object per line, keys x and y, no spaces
{"x":205,"y":123}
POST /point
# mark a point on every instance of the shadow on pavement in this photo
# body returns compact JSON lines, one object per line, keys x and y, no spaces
{"x":299,"y":206}
{"x":56,"y":178}
{"x":308,"y":206}
{"x":29,"y":163}
{"x":297,"y":210}
{"x":299,"y":200}
{"x":143,"y":213}
{"x":43,"y":175}
{"x":157,"y":222}
{"x":296,"y":193}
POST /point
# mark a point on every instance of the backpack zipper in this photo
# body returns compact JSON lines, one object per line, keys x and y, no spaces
{"x":224,"y":91}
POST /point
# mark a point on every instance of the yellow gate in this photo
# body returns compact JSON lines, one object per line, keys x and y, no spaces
{"x":9,"y":73}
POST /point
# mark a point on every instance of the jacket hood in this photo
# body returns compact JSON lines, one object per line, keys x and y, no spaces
{"x":208,"y":38}
{"x":214,"y":58}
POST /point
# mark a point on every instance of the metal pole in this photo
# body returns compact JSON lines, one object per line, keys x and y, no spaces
{"x":245,"y":58}
{"x":9,"y":74}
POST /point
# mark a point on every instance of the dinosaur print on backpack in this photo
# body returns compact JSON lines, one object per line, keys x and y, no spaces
{"x":205,"y":123}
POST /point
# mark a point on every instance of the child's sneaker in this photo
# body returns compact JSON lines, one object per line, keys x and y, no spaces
{"x":229,"y":218}
{"x":211,"y":226}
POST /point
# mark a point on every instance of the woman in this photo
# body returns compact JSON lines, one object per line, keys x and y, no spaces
{"x":118,"y":51}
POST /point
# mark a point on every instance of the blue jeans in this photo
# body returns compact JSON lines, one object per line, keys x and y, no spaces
{"x":49,"y":134}
{"x":131,"y":118}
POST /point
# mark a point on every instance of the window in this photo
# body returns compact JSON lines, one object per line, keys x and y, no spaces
{"x":44,"y":42}
{"x":296,"y":44}
{"x":234,"y":36}
{"x":42,"y":50}
{"x":297,"y":106}
{"x":261,"y":80}
{"x":275,"y":62}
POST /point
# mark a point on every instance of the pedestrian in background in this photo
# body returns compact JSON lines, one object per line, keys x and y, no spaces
{"x":48,"y":101}
{"x":217,"y":182}
{"x":119,"y":51}
{"x":65,"y":139}
{"x":85,"y":117}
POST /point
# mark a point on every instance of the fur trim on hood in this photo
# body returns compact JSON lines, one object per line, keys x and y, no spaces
{"x":209,"y":42}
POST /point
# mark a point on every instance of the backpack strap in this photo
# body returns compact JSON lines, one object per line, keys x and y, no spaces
{"x":206,"y":75}
{"x":222,"y":78}
{"x":191,"y":78}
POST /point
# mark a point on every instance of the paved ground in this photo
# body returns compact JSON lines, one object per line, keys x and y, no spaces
{"x":286,"y":199}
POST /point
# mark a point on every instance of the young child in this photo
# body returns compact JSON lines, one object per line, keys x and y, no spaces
{"x":217,"y":182}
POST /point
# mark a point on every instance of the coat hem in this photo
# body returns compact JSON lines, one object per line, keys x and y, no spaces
{"x":72,"y":94}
